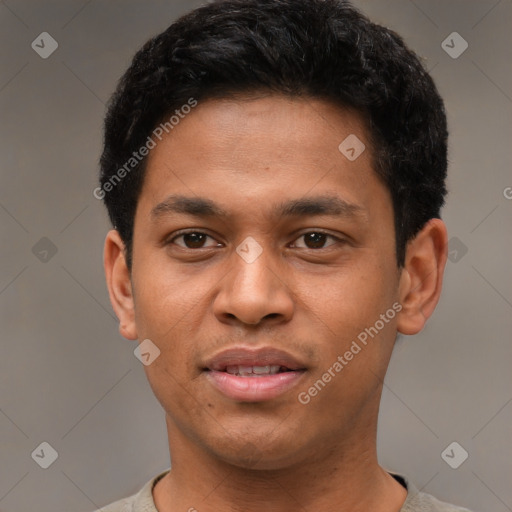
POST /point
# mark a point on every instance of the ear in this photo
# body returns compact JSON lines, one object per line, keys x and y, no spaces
{"x":119,"y":284}
{"x":421,"y":279}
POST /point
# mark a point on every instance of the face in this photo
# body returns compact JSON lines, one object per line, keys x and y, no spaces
{"x":264,"y":270}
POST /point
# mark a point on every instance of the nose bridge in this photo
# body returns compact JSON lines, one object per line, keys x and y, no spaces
{"x":251,"y":290}
{"x":253,"y":271}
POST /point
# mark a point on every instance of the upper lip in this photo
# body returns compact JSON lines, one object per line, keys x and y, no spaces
{"x":242,"y":356}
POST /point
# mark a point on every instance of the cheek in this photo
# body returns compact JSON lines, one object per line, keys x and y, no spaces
{"x":164,"y":298}
{"x":166,"y":312}
{"x":354,"y":345}
{"x":349,"y":300}
{"x":179,"y":400}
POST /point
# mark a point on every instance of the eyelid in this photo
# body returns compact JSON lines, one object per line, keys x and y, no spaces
{"x":189,"y":231}
{"x":321,"y":232}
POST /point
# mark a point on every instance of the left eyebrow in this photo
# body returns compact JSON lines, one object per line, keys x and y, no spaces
{"x":319,"y":205}
{"x":312,"y":206}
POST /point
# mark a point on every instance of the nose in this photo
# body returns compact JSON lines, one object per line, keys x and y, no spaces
{"x":252,"y":293}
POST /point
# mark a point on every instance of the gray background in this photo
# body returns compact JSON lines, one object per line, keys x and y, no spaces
{"x":66,"y":375}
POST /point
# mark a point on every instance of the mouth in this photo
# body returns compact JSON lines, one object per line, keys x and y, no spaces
{"x":253,"y":375}
{"x":254,"y":370}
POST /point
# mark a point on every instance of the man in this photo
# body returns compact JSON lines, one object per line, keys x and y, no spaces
{"x":274,"y":171}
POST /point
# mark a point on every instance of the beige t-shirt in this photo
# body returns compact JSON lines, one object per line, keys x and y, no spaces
{"x":416,"y":501}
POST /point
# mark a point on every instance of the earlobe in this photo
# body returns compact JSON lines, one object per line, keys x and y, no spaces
{"x":422,"y":276}
{"x":119,"y":284}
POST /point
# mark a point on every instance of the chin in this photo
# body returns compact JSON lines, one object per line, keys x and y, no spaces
{"x":257,"y":451}
{"x":252,"y":459}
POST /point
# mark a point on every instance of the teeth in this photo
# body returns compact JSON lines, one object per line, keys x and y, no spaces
{"x":245,"y":371}
{"x":260,"y":370}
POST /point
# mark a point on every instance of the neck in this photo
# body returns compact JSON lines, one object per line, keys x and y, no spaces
{"x":346,"y":477}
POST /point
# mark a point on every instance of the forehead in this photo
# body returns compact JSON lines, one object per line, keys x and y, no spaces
{"x":249,"y":151}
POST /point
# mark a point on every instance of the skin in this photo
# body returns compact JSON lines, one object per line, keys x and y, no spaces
{"x":195,"y":296}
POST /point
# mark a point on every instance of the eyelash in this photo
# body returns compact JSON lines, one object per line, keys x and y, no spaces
{"x":189,"y":232}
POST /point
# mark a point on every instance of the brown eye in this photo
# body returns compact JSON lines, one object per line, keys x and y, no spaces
{"x":193,"y":240}
{"x":315,"y":240}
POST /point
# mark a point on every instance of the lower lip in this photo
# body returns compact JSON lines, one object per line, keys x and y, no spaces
{"x":253,"y":389}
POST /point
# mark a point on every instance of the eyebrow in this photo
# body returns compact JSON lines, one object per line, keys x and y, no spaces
{"x":203,"y":207}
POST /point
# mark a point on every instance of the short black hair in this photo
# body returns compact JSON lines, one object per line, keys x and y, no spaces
{"x":322,"y":49}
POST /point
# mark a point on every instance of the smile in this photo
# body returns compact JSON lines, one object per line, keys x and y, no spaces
{"x":253,"y":375}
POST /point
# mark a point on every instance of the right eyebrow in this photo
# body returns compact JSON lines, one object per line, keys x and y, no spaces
{"x":195,"y":206}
